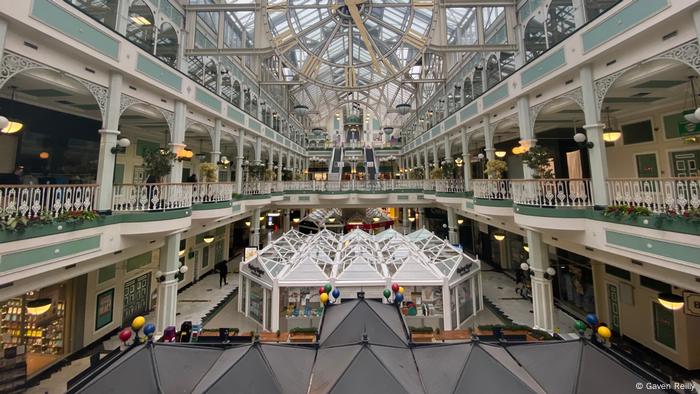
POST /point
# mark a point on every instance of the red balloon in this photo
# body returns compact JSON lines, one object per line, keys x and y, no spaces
{"x":321,"y":290}
{"x":125,"y":334}
{"x":395,"y":287}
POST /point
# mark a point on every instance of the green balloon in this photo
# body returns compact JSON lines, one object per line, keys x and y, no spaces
{"x":580,"y":326}
{"x":387,"y":293}
{"x":328,"y":287}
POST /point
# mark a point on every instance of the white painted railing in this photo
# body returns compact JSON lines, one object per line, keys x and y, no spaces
{"x":552,"y":192}
{"x":212,"y":192}
{"x":449,"y":185}
{"x":34,"y":200}
{"x":658,"y":194}
{"x":387,"y":185}
{"x":151,"y":197}
{"x":257,"y":187}
{"x":491,"y":189}
{"x":428,"y":184}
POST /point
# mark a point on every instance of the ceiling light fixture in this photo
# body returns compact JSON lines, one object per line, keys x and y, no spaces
{"x":208,"y":239}
{"x":38,"y":307}
{"x":610,"y":135}
{"x":500,"y":153}
{"x":671,"y":301}
{"x":140,"y":20}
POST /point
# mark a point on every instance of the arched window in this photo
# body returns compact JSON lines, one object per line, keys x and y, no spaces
{"x":210,"y":75}
{"x":246,"y":100}
{"x":195,"y":66}
{"x":457,"y":96}
{"x":236,"y":94}
{"x":254,"y":107}
{"x":493,"y":75}
{"x":535,"y":40}
{"x":166,"y":47}
{"x":477,"y":83}
{"x":507,"y":64}
{"x":105,"y":11}
{"x":140,"y":27}
{"x":226,"y":88}
{"x":597,"y":7}
{"x":467,"y":94}
{"x":560,"y":21}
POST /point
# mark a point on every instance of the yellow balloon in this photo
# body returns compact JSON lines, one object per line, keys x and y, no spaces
{"x":324,"y":297}
{"x":138,"y":322}
{"x":401,"y":290}
{"x":604,"y":332}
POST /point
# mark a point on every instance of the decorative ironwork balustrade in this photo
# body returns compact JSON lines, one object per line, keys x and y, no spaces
{"x":32,"y":201}
{"x":492,"y":189}
{"x":256,"y":188}
{"x":151,"y":197}
{"x":212,"y":192}
{"x":552,"y":192}
{"x":449,"y":185}
{"x":659,"y":195}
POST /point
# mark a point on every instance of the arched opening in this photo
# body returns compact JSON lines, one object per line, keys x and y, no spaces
{"x":535,"y":39}
{"x":478,"y":83}
{"x":467,"y":95}
{"x":507,"y":61}
{"x":104,"y":11}
{"x":247,"y":104}
{"x":493,"y":75}
{"x":198,"y":141}
{"x":140,"y":26}
{"x":560,"y":21}
{"x":166,"y":48}
{"x":226,"y":88}
{"x":254,"y":107}
{"x":236,"y":94}
{"x":210,"y":75}
{"x":145,"y":126}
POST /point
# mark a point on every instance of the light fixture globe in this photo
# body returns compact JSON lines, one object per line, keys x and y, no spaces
{"x":124,"y":142}
{"x":551,"y":271}
{"x":183,"y":269}
{"x":208,"y":239}
{"x":403,"y":109}
{"x":4,"y":122}
{"x":579,"y":138}
{"x":500,"y":154}
{"x":525,"y":266}
{"x":388,"y":130}
{"x":499,"y":237}
{"x":671,"y":301}
{"x":301,"y":110}
{"x":610,"y":135}
{"x":692,"y":117}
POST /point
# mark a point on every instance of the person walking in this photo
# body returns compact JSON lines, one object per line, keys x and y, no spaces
{"x":222,"y":267}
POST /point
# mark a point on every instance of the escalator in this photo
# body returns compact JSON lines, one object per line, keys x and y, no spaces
{"x":335,"y":169}
{"x":370,"y":164}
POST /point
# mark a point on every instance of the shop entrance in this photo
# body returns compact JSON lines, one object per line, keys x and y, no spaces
{"x":685,"y":164}
{"x":136,"y":297}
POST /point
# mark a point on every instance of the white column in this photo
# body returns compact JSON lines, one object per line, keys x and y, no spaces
{"x":258,"y":150}
{"x":255,"y":228}
{"x":216,"y":142}
{"x":177,"y":142}
{"x":239,"y":162}
{"x":542,"y":295}
{"x":466,"y":160}
{"x":452,"y":226}
{"x":436,"y":159}
{"x":270,"y":158}
{"x":579,"y":13}
{"x":488,"y":139}
{"x":279,"y":166}
{"x":108,"y":140}
{"x":286,"y":221}
{"x":448,"y":150}
{"x":275,"y":310}
{"x":3,"y":36}
{"x":406,"y":223}
{"x":696,"y":20}
{"x":597,"y":155}
{"x":421,"y":217}
{"x":425,"y":163}
{"x":446,"y":306}
{"x":527,"y":134}
{"x":166,"y":306}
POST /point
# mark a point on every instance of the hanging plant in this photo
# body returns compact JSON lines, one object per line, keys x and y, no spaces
{"x":209,"y":172}
{"x":495,"y":168}
{"x":448,"y":170}
{"x":158,"y":163}
{"x":436,"y":173}
{"x":270,"y":174}
{"x":538,"y":159}
{"x":418,"y":173}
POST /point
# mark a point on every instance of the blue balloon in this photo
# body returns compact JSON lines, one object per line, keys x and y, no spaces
{"x":336,"y":293}
{"x":149,"y":329}
{"x":592,"y":319}
{"x":398,"y":298}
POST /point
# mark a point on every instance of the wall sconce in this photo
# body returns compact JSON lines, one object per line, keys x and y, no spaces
{"x":208,"y":239}
{"x":549,"y":273}
{"x":247,"y":223}
{"x":181,"y":253}
{"x":460,"y":221}
{"x":526,"y":248}
{"x":582,"y":142}
{"x":500,"y":154}
{"x":671,"y":301}
{"x":499,"y":236}
{"x":160,"y":275}
{"x":122,"y":144}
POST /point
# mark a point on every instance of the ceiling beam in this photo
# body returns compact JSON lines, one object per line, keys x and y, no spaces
{"x":480,"y":3}
{"x":220,"y":7}
{"x":229,"y":51}
{"x":281,"y":82}
{"x":472,"y":48}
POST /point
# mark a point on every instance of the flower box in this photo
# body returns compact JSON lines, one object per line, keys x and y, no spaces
{"x":421,"y":337}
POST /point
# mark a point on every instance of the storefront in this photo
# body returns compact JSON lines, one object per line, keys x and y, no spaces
{"x":283,"y":279}
{"x":573,"y":283}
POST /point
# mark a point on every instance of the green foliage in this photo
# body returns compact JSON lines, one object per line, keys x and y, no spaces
{"x":421,"y":330}
{"x":626,"y":211}
{"x":448,"y":170}
{"x":505,"y":327}
{"x":299,"y":176}
{"x":209,"y":171}
{"x":257,"y":171}
{"x":20,"y":223}
{"x":418,"y":173}
{"x":692,"y":215}
{"x":158,"y":163}
{"x":495,"y":168}
{"x":303,"y":330}
{"x":541,"y":335}
{"x":436,"y":173}
{"x":538,"y":158}
{"x":270,"y":174}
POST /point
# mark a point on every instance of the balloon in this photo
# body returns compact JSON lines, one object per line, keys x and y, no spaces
{"x":387,"y":293}
{"x":149,"y":329}
{"x":395,"y":287}
{"x":336,"y":293}
{"x":580,"y":326}
{"x":124,"y":334}
{"x":327,"y":288}
{"x":321,"y":290}
{"x":604,"y":332}
{"x":592,"y":319}
{"x":324,"y":298}
{"x":398,"y":298}
{"x":138,"y":322}
{"x":401,"y":289}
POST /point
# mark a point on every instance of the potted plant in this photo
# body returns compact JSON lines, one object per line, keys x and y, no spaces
{"x":421,"y":334}
{"x":448,"y":170}
{"x":538,"y":159}
{"x":418,"y":173}
{"x":209,"y":172}
{"x":157,"y":163}
{"x":302,"y":334}
{"x":436,"y":173}
{"x":270,"y":174}
{"x":495,"y":168}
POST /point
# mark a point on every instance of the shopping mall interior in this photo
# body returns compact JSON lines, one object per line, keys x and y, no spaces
{"x":440,"y":196}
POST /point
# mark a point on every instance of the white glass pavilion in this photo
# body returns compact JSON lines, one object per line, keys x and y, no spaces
{"x":279,"y":286}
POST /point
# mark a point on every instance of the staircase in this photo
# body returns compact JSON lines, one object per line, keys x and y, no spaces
{"x":371,"y":164}
{"x":335,"y":169}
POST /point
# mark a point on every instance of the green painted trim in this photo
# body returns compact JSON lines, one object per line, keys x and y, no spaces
{"x":157,"y":72}
{"x":32,"y":256}
{"x":211,"y":205}
{"x":400,"y":198}
{"x":543,"y":67}
{"x":469,"y":205}
{"x":617,"y":23}
{"x":139,"y":261}
{"x":453,"y":194}
{"x":493,"y":203}
{"x":106,"y":273}
{"x":204,"y":97}
{"x":235,"y":114}
{"x":254,"y":124}
{"x":56,"y":17}
{"x":670,"y":250}
{"x":551,"y":212}
{"x":429,"y":192}
{"x":303,"y":198}
{"x":654,"y":222}
{"x":468,"y":111}
{"x":153,"y":216}
{"x":236,"y":208}
{"x":495,"y":95}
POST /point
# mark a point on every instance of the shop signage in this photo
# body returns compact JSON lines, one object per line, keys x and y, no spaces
{"x":692,"y":303}
{"x":249,"y":253}
{"x":463,"y":270}
{"x":255,"y":270}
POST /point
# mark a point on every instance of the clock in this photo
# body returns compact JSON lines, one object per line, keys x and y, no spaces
{"x":350,"y":45}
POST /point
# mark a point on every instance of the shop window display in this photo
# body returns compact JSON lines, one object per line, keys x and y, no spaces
{"x":300,"y":302}
{"x":37,"y":321}
{"x":465,"y":301}
{"x":256,"y":302}
{"x":574,"y":283}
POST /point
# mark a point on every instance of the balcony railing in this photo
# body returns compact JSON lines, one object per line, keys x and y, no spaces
{"x":449,"y":185}
{"x":552,"y":192}
{"x":491,"y":189}
{"x":428,"y":184}
{"x":256,"y":188}
{"x":151,"y":197}
{"x":446,"y":185}
{"x":659,"y":195}
{"x":211,"y":192}
{"x":32,"y":201}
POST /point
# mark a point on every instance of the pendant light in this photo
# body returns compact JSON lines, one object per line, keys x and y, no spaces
{"x":671,"y":301}
{"x":38,"y":307}
{"x":610,"y":135}
{"x":7,"y":126}
{"x":693,"y":116}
